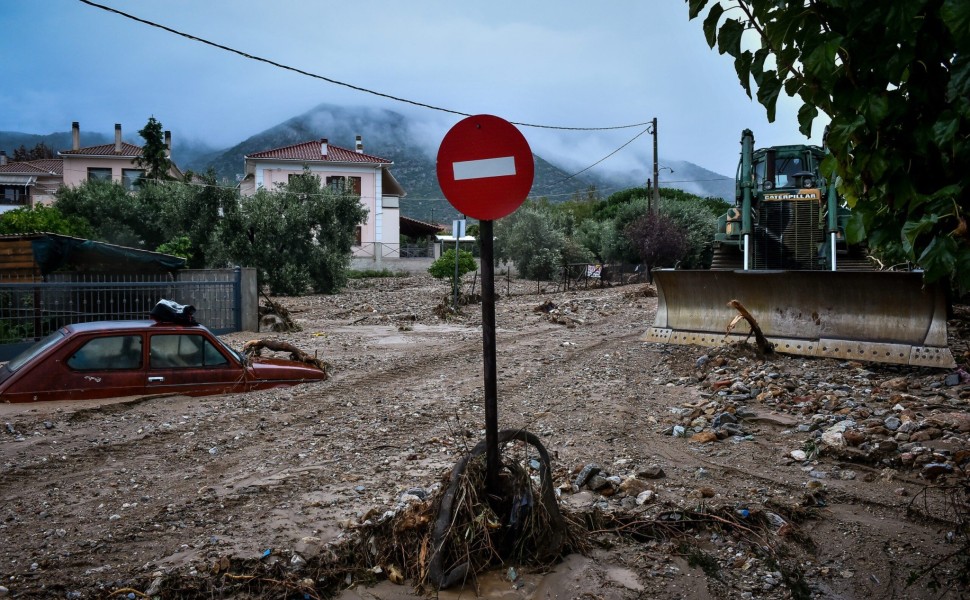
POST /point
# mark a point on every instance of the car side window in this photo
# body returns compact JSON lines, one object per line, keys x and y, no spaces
{"x":169,"y":351}
{"x":108,"y":354}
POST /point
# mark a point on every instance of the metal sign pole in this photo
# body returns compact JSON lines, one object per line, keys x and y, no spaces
{"x":492,"y":464}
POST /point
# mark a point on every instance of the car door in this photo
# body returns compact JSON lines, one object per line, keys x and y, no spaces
{"x":99,"y":365}
{"x":190,"y":363}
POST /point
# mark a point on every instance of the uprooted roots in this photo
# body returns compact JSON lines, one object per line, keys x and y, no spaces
{"x":474,"y":531}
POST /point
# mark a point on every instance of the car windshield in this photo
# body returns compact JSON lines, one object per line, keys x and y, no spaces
{"x":232,"y":352}
{"x":25,"y":356}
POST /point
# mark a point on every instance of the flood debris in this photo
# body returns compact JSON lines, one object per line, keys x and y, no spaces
{"x":255,"y":348}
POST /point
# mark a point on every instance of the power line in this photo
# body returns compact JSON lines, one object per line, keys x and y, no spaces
{"x":605,"y":157}
{"x":334,"y":81}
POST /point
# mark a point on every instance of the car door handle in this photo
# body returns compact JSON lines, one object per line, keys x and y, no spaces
{"x":156,"y":379}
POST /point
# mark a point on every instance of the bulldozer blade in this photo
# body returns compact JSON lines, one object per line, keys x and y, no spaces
{"x":878,"y":316}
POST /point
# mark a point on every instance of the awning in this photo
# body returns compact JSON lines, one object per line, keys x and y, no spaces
{"x":24,"y":180}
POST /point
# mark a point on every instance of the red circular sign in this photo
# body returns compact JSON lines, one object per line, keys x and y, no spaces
{"x":485,"y":167}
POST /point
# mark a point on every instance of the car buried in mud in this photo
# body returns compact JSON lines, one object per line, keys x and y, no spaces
{"x":111,"y":359}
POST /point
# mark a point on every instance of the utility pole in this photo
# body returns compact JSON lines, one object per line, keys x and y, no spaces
{"x":656,"y":169}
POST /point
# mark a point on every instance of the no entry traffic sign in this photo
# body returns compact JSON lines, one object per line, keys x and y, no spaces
{"x":485,"y":167}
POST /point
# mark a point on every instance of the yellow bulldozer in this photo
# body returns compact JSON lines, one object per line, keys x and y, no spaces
{"x":782,"y":254}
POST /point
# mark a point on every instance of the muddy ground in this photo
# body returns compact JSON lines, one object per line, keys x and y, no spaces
{"x":807,"y":489}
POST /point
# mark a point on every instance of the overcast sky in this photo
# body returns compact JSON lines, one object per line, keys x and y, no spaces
{"x":550,"y":62}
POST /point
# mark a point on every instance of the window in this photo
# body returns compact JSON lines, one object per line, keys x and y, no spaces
{"x":359,"y":236}
{"x":355,"y":185}
{"x":178,"y":350}
{"x":98,"y":173}
{"x":108,"y":354}
{"x":15,"y":194}
{"x":131,"y":177}
{"x":336,"y":182}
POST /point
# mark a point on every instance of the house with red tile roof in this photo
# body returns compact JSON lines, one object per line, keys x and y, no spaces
{"x":112,"y":162}
{"x":367,"y":175}
{"x":29,"y":182}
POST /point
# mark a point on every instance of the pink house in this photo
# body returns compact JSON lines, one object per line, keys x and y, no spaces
{"x":113,"y":162}
{"x":368,"y":176}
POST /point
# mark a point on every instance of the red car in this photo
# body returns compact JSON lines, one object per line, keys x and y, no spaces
{"x":111,"y":359}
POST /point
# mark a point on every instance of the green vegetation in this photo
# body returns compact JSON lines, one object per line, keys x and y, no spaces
{"x":298,"y":237}
{"x":154,"y":154}
{"x":42,"y":219}
{"x":444,"y":266}
{"x":541,"y":238}
{"x":900,"y":130}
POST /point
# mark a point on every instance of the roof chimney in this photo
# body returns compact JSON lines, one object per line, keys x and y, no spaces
{"x":168,"y":144}
{"x":117,"y":138}
{"x":3,"y":157}
{"x":360,"y":145}
{"x":323,"y":147}
{"x":75,"y":136}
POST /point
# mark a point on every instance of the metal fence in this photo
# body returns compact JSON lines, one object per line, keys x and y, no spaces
{"x":30,"y":310}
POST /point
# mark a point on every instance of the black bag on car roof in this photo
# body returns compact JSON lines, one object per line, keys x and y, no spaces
{"x":167,"y":311}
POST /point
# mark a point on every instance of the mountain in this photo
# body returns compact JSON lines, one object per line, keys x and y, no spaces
{"x":411,"y":145}
{"x":185,"y":152}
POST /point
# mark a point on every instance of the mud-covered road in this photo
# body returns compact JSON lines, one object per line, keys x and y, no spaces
{"x":134,"y":494}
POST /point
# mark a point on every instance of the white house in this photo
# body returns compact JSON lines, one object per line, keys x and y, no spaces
{"x":367,"y":175}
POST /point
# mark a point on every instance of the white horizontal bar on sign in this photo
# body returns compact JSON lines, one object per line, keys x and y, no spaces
{"x":486,"y":167}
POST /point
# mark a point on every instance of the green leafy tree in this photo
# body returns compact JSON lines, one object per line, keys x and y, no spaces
{"x":894,"y":77}
{"x":42,"y":219}
{"x":298,"y":237}
{"x":444,"y":266}
{"x":154,"y":155}
{"x":111,"y":211}
{"x":535,"y":240}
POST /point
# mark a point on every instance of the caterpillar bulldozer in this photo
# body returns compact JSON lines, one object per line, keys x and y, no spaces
{"x":782,"y":252}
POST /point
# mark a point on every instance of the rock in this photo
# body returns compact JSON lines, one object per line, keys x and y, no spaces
{"x":954,"y":420}
{"x":679,"y":431}
{"x":798,"y":455}
{"x":952,"y":379}
{"x":854,"y":438}
{"x":706,"y":492}
{"x":652,"y":472}
{"x":585,"y":474}
{"x":833,"y":437}
{"x":598,"y":484}
{"x":724,"y":417}
{"x":933,"y":470}
{"x":702,"y":473}
{"x":924,"y":435}
{"x":704,"y":437}
{"x":892,"y":423}
{"x":645,"y":496}
{"x":899,"y":384}
{"x":632,"y":486}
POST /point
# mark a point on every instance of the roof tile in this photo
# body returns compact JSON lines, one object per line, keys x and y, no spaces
{"x":310,"y":151}
{"x":47,"y":166}
{"x":104,"y":150}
